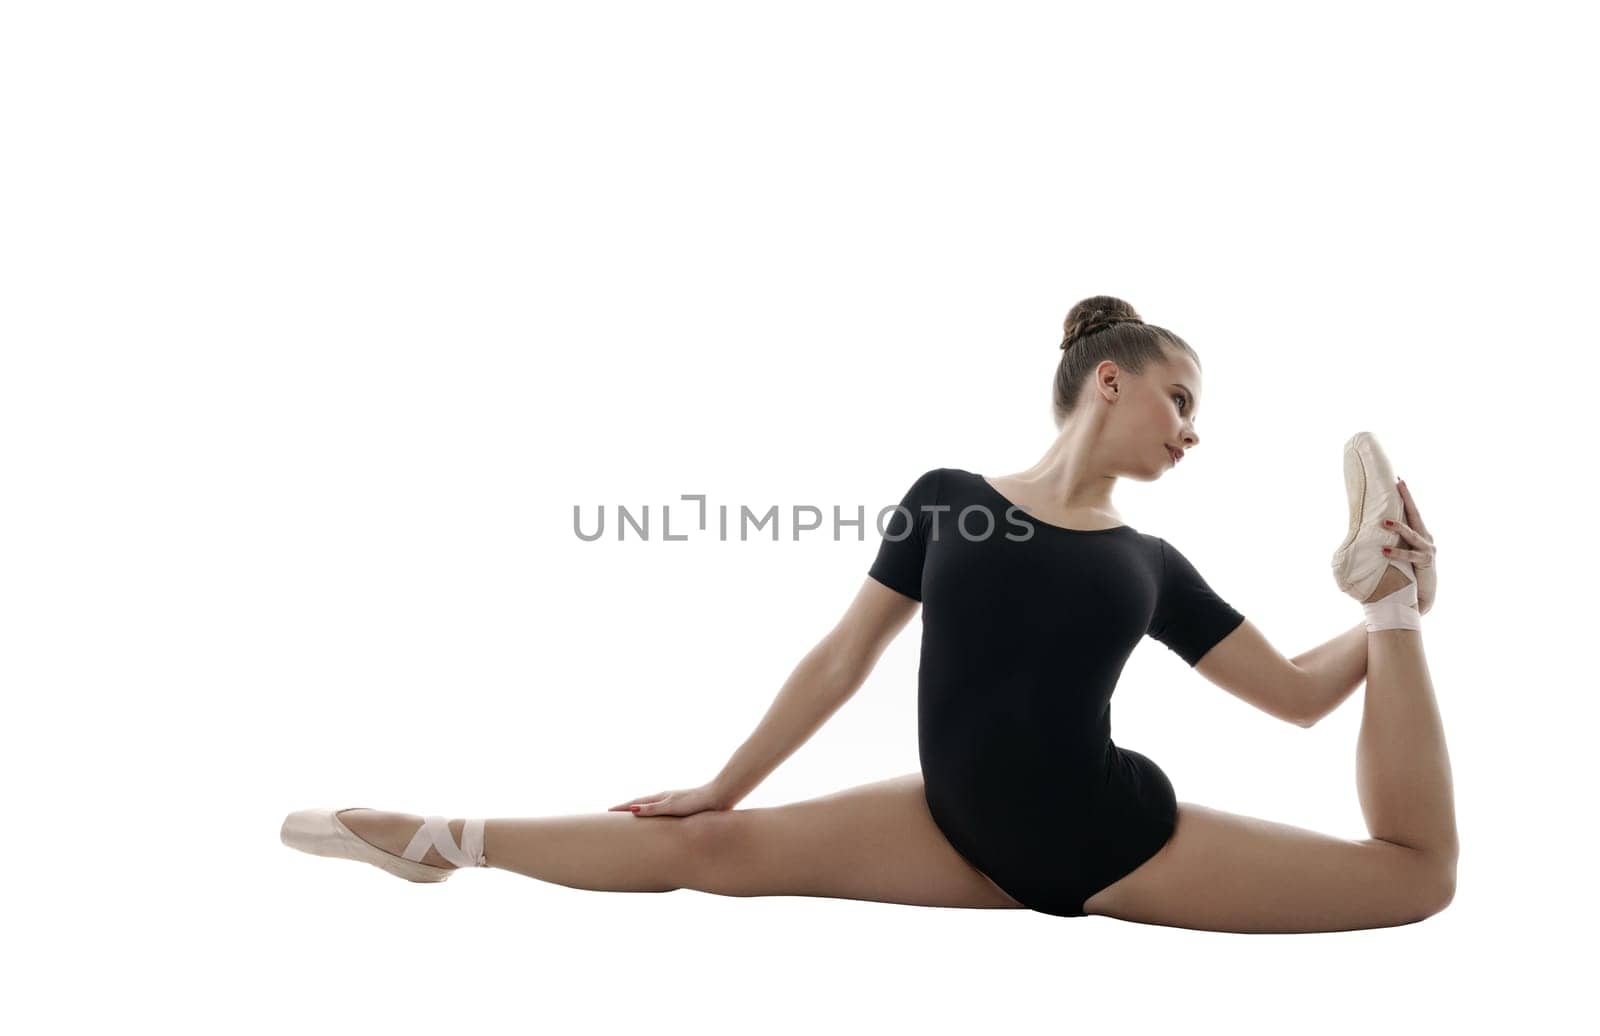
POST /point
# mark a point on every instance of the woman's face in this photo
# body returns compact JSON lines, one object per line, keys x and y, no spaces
{"x":1156,"y":412}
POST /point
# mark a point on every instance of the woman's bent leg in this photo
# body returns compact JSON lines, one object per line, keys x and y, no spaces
{"x":1225,"y":872}
{"x":1402,"y":765}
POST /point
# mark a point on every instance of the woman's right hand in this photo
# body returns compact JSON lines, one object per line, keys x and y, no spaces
{"x":674,"y":803}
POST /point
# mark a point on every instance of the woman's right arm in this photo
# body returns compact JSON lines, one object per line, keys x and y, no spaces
{"x":825,"y":679}
{"x":833,"y":670}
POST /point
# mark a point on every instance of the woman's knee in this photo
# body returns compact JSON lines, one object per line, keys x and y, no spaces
{"x":1442,"y":884}
{"x":710,"y":842}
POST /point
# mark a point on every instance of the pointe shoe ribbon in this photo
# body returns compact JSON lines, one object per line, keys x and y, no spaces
{"x":436,"y":830}
{"x":1397,"y":611}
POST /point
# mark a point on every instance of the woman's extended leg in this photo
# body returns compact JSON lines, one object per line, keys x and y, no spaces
{"x":873,"y":842}
{"x":1225,"y":872}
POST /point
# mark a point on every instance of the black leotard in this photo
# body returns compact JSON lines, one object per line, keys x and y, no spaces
{"x":1024,"y":633}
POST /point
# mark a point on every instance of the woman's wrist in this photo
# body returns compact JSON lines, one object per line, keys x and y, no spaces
{"x":723,"y":795}
{"x":1334,"y":669}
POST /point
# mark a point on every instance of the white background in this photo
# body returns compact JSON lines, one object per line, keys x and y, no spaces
{"x":318,"y":319}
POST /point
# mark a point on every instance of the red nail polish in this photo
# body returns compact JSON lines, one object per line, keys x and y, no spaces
{"x":1387,"y":522}
{"x":1386,"y":550}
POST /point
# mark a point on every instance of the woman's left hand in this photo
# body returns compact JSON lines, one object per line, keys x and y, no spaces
{"x":1421,"y":555}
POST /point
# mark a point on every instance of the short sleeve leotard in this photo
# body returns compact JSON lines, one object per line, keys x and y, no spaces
{"x":1025,"y":629}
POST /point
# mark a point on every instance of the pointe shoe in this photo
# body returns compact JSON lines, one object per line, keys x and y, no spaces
{"x":1359,"y":562}
{"x":321,"y":833}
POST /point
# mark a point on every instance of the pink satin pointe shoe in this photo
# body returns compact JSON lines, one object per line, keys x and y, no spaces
{"x":321,"y":833}
{"x":1369,"y":482}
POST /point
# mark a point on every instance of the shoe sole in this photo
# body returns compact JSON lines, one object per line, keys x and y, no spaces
{"x":320,"y":832}
{"x":1355,"y":488}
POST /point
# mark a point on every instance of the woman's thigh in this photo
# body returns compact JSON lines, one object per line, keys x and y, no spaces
{"x":876,"y":842}
{"x":1229,"y":873}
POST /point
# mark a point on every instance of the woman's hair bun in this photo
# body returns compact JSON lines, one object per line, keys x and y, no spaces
{"x":1095,"y":313}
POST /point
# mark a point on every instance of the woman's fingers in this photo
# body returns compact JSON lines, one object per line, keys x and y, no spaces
{"x":1412,"y":514}
{"x":1422,"y":561}
{"x":660,"y":804}
{"x":680,"y":802}
{"x":1410,"y":535}
{"x":641,"y":800}
{"x":1422,"y":556}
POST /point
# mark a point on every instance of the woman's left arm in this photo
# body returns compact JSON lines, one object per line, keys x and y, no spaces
{"x":1334,"y":670}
